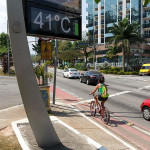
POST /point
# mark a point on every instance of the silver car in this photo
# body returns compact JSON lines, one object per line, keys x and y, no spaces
{"x":71,"y":73}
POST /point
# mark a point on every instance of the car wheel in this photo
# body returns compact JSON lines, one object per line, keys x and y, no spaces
{"x":63,"y":75}
{"x":87,"y":82}
{"x":80,"y":80}
{"x":146,"y":113}
{"x":68,"y":77}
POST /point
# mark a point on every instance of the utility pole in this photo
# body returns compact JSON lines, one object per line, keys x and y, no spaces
{"x":8,"y":50}
{"x":55,"y":69}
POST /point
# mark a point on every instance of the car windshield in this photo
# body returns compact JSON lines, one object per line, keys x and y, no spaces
{"x":145,"y":67}
{"x":73,"y":70}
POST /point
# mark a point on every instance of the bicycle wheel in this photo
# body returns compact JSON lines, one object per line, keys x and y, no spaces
{"x":105,"y":115}
{"x":92,"y":108}
{"x":99,"y":109}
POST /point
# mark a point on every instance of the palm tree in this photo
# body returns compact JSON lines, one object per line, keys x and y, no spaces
{"x":125,"y":34}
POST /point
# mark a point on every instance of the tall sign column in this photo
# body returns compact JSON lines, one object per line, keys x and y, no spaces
{"x":39,"y":120}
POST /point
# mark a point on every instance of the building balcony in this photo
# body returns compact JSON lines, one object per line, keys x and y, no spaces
{"x":96,"y":28}
{"x":119,"y":1}
{"x":96,"y":32}
{"x":102,"y":31}
{"x":146,"y":25}
{"x":146,"y":15}
{"x":119,"y":18}
{"x":96,"y":18}
{"x":102,"y":21}
{"x":120,"y":9}
{"x":146,"y":35}
{"x":96,"y":36}
{"x":96,"y":9}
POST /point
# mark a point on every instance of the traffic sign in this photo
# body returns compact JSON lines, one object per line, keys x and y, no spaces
{"x":43,"y":18}
{"x":46,"y":50}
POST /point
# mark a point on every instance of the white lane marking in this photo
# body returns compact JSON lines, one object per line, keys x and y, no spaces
{"x":105,"y":130}
{"x":64,"y":90}
{"x":144,"y":87}
{"x":80,"y":98}
{"x":10,"y":108}
{"x":148,"y":133}
{"x":116,"y":94}
{"x":81,"y":102}
{"x":120,"y":93}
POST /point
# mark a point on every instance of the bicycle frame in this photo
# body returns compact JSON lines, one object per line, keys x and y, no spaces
{"x":103,"y":111}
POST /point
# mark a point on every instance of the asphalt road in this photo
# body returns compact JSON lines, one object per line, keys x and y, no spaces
{"x":126,"y":94}
{"x":9,"y":92}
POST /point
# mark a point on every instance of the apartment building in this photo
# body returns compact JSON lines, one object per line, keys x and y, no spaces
{"x":108,"y":12}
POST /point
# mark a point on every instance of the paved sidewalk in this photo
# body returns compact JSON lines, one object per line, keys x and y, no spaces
{"x":69,"y":115}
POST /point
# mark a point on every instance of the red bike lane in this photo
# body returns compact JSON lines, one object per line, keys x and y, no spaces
{"x":119,"y":127}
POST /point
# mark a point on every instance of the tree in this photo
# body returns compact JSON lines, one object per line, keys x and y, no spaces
{"x":125,"y":34}
{"x":4,"y":60}
{"x":36,"y":48}
{"x":145,"y":2}
{"x":3,"y":44}
{"x":68,"y":52}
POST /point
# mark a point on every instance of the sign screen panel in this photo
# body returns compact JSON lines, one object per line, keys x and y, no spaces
{"x":46,"y":21}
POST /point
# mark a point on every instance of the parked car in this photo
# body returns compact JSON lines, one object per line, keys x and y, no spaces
{"x":145,"y":108}
{"x":90,"y":77}
{"x":145,"y":69}
{"x":71,"y":73}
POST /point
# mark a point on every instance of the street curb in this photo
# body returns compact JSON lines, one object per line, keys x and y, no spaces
{"x":7,"y":77}
{"x":53,"y":118}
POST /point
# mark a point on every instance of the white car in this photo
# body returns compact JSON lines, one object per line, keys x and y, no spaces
{"x":71,"y":73}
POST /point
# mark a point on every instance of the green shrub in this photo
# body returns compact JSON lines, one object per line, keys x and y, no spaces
{"x":121,"y":73}
{"x":12,"y":72}
{"x":92,"y":68}
{"x":101,"y":71}
{"x":115,"y":72}
{"x":83,"y":69}
{"x":80,"y":65}
{"x":135,"y":72}
{"x":60,"y":67}
{"x":126,"y":73}
{"x":117,"y":68}
{"x":109,"y":71}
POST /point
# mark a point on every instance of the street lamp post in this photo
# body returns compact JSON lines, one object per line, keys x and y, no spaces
{"x":8,"y":51}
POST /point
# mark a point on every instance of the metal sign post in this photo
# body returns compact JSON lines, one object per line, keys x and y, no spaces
{"x":55,"y":69}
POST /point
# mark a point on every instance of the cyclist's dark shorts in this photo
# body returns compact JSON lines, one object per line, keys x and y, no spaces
{"x":101,"y":98}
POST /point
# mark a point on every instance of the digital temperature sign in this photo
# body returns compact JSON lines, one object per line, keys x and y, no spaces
{"x":44,"y":20}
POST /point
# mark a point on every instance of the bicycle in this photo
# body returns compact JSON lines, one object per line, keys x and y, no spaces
{"x":103,"y":111}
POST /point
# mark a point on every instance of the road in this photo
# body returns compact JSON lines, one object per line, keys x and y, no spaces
{"x":126,"y":96}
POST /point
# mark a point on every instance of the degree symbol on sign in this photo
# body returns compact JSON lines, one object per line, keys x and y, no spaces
{"x":57,"y":18}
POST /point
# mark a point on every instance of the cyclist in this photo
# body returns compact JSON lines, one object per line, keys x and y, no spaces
{"x":99,"y":88}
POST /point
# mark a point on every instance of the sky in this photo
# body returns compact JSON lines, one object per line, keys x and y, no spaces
{"x":3,"y":20}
